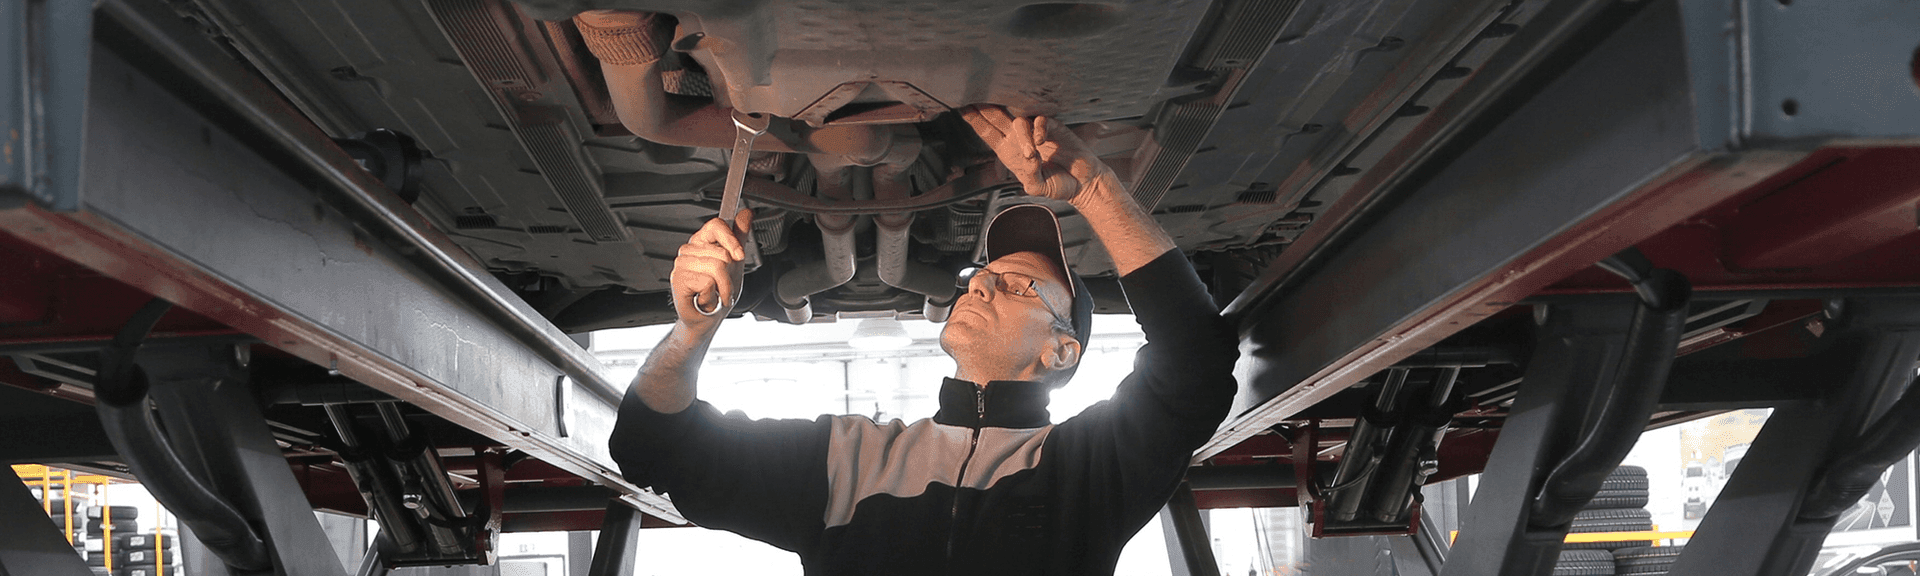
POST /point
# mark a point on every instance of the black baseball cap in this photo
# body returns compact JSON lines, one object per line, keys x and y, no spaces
{"x":1034,"y":228}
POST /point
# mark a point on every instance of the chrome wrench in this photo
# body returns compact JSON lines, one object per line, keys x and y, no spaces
{"x":747,"y":128}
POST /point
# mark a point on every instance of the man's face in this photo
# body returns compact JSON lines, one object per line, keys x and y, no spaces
{"x":1000,"y":330}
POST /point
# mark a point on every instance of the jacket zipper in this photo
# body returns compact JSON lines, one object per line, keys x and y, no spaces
{"x":980,"y":417}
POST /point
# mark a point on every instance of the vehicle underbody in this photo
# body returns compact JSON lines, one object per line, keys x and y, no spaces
{"x":1467,"y":237}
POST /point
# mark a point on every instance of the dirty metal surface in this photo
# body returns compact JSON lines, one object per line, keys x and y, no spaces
{"x":294,"y":271}
{"x":1079,"y":61}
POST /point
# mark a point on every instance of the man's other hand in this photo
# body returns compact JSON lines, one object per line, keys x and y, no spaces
{"x":1049,"y":160}
{"x":707,"y":272}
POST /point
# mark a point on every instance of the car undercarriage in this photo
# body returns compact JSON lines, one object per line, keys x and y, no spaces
{"x":1458,"y":237}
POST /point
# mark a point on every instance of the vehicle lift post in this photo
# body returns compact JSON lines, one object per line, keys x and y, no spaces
{"x":1598,"y":367}
{"x":1783,"y":500}
{"x":34,"y":544}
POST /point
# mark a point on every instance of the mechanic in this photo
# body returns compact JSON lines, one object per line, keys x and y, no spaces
{"x":988,"y":485}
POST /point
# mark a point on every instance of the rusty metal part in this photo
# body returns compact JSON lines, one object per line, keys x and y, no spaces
{"x":871,"y":103}
{"x":630,"y":46}
{"x":836,"y":181}
{"x":968,"y":185}
{"x":1080,"y":61}
{"x":891,"y":182}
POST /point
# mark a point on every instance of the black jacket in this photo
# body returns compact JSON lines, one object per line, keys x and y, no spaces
{"x":987,"y":486}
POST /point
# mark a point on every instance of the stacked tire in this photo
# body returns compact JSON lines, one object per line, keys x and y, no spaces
{"x":58,"y":511}
{"x":120,"y":519}
{"x":1645,"y":560}
{"x":145,"y":554}
{"x":1584,"y":563}
{"x":1620,"y":506}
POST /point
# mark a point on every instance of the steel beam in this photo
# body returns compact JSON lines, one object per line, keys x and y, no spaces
{"x":1576,"y":347}
{"x":1755,"y":526}
{"x":375,"y":562}
{"x":180,"y":205}
{"x":614,"y":554}
{"x":30,"y":542}
{"x":1652,"y":125}
{"x":1194,"y":549}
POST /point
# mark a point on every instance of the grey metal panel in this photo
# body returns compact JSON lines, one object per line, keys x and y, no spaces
{"x":176,"y":206}
{"x":1754,"y":526}
{"x":30,"y":542}
{"x":1353,"y":556}
{"x":43,"y":64}
{"x":1665,"y":117}
{"x":1617,"y":122}
{"x":1079,"y":62}
{"x":1847,"y":67}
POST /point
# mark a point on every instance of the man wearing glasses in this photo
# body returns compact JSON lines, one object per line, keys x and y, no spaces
{"x":988,"y":485}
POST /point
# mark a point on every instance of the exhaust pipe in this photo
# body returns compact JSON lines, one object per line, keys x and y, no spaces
{"x":890,"y":182}
{"x":837,"y":181}
{"x":900,"y":272}
{"x":630,"y":45}
{"x":793,"y":288}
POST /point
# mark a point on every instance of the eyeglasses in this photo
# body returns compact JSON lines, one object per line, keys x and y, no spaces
{"x":1016,"y":284}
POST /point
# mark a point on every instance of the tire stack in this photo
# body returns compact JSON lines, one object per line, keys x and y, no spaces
{"x":1620,"y":506}
{"x":1645,"y":560}
{"x":124,"y":520}
{"x":98,"y":521}
{"x":145,"y":554}
{"x":1584,"y":563}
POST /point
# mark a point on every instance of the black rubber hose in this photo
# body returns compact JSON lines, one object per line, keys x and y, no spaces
{"x":121,"y":395}
{"x":217,"y":524}
{"x":1638,"y":270}
{"x":1652,"y":340}
{"x":1854,"y":472}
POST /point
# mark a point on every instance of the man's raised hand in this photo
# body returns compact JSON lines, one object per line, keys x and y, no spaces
{"x":707,"y":272}
{"x":1049,"y":160}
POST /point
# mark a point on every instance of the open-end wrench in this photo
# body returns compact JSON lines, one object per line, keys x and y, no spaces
{"x":747,"y":128}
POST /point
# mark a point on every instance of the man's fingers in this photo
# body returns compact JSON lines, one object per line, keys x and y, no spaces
{"x":743,"y":222}
{"x":720,"y":233}
{"x":720,"y":255}
{"x":691,"y":287}
{"x":699,"y":280}
{"x":976,"y":116}
{"x":1022,"y":138}
{"x":993,"y":117}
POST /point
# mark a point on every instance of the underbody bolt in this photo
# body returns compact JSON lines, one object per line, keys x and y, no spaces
{"x":411,"y":501}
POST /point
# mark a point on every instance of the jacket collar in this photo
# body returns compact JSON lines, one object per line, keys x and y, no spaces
{"x":999,"y":404}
